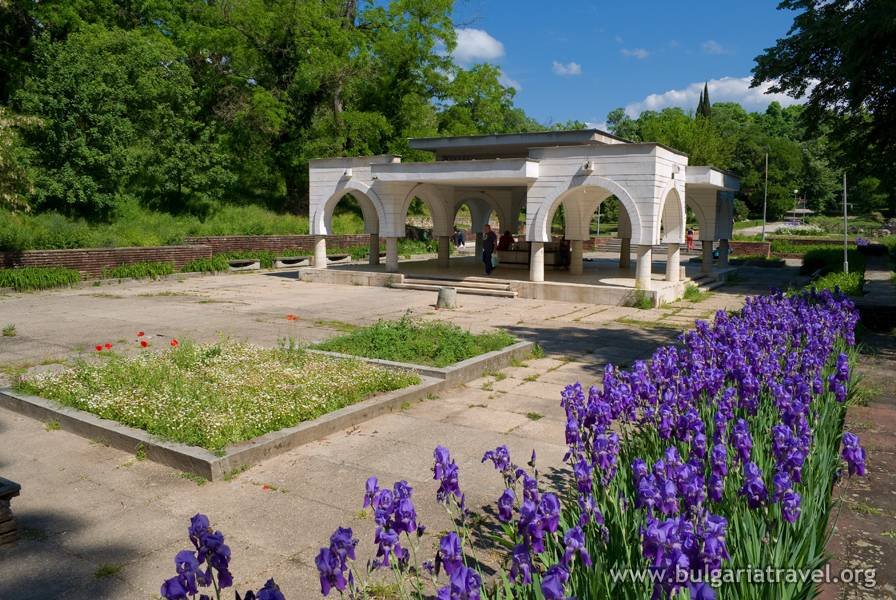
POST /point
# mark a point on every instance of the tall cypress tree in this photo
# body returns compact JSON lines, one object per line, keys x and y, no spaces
{"x":704,"y":108}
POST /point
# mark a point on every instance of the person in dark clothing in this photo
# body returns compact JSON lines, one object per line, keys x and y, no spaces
{"x":505,"y":242}
{"x":489,"y":243}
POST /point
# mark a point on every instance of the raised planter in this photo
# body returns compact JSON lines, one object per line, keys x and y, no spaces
{"x":244,"y":454}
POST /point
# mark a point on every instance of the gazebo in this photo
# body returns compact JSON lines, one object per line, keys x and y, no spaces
{"x":535,"y":173}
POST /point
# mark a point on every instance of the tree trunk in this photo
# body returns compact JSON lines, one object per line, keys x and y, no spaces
{"x":296,"y":193}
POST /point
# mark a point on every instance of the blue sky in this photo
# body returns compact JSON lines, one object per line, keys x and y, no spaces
{"x":579,"y":59}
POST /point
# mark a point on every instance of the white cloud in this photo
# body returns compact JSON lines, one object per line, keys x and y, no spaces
{"x":618,"y":39}
{"x":476,"y":45}
{"x":639,"y":53}
{"x":506,"y":81}
{"x":570,"y":68}
{"x":726,"y":89}
{"x":713,"y":47}
{"x":602,"y":125}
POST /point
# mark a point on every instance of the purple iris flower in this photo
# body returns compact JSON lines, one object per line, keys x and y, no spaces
{"x":790,"y":506}
{"x":343,"y":543}
{"x":553,"y":582}
{"x":521,"y":565}
{"x":505,"y":506}
{"x":741,"y":440}
{"x":853,"y":454}
{"x":445,"y":471}
{"x":331,"y":571}
{"x":574,"y":540}
{"x":464,"y":584}
{"x":450,"y":553}
{"x":371,"y":488}
{"x":173,"y":589}
{"x":754,"y":487}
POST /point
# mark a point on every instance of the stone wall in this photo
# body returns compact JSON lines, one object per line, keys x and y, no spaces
{"x":91,"y":261}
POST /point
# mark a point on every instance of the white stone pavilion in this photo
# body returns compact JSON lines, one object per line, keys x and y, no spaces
{"x":503,"y":175}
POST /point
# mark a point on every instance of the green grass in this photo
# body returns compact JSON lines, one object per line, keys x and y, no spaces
{"x":107,"y":570}
{"x":534,"y":416}
{"x":850,"y":283}
{"x":9,"y":331}
{"x":692,"y":293}
{"x":641,"y":300}
{"x":433,"y":343}
{"x":831,"y":259}
{"x":139,"y":270}
{"x":38,"y":278}
{"x":52,"y":426}
{"x":213,"y":395}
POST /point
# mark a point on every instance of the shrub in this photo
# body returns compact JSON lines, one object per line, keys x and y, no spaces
{"x":215,"y":264}
{"x":435,"y":343}
{"x":139,"y":270}
{"x":38,"y":278}
{"x":829,"y":259}
{"x":850,"y":283}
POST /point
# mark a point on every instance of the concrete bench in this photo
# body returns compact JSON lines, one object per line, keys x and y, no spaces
{"x":8,"y":530}
{"x":284,"y":262}
{"x":243,"y":264}
{"x":338,"y":257}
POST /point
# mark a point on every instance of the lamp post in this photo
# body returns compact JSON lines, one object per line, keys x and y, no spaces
{"x":765,"y":199}
{"x":845,"y":229}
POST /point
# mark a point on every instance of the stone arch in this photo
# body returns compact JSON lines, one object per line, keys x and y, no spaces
{"x":670,"y":220}
{"x":435,"y":202}
{"x":371,"y":208}
{"x":703,"y":219}
{"x":481,"y":206}
{"x":538,"y":230}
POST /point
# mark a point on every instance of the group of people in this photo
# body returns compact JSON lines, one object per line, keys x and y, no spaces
{"x":491,"y":244}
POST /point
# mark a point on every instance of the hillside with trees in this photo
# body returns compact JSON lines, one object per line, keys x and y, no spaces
{"x":140,"y":122}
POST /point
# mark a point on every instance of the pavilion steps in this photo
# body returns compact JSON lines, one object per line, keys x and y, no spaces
{"x":477,"y":286}
{"x":706,"y":283}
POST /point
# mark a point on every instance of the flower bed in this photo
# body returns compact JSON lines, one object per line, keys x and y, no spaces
{"x":213,"y":395}
{"x":432,"y":343}
{"x":718,"y":453}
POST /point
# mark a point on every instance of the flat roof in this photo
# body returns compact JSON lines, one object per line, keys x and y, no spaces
{"x":512,"y":143}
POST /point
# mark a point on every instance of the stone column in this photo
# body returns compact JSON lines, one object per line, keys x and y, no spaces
{"x":392,"y":254}
{"x":320,"y":252}
{"x":444,"y":251}
{"x":643,"y":267}
{"x":575,"y":258}
{"x":673,"y":263}
{"x":724,"y":251}
{"x":536,"y":261}
{"x":706,"y":266}
{"x":625,"y":253}
{"x":374,"y":257}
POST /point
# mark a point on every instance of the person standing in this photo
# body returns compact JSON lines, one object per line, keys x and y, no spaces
{"x":689,"y":238}
{"x":489,"y":241}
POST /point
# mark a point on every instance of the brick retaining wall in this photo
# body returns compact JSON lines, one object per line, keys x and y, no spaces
{"x":750,"y":248}
{"x":91,"y":261}
{"x":227,"y":243}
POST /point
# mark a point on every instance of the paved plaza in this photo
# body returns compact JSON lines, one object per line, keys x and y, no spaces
{"x":98,"y":523}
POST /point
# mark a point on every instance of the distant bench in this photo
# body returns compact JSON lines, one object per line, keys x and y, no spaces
{"x":244,"y":264}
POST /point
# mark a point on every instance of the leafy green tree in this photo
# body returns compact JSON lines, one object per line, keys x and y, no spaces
{"x":841,"y":56}
{"x":115,"y":105}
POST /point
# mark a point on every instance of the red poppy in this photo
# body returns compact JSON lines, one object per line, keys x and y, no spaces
{"x":140,"y":334}
{"x":108,"y":346}
{"x":265,"y":487}
{"x":99,"y":348}
{"x":174,"y":343}
{"x":144,"y":343}
{"x":291,"y":318}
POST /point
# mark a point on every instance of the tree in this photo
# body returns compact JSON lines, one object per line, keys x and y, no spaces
{"x":704,"y":109}
{"x":113,"y":106}
{"x":841,"y":56}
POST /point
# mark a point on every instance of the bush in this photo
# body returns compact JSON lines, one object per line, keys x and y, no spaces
{"x":850,"y":283}
{"x":38,"y":278}
{"x":828,"y":259}
{"x":215,"y":264}
{"x":139,"y":270}
{"x":436,"y":343}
